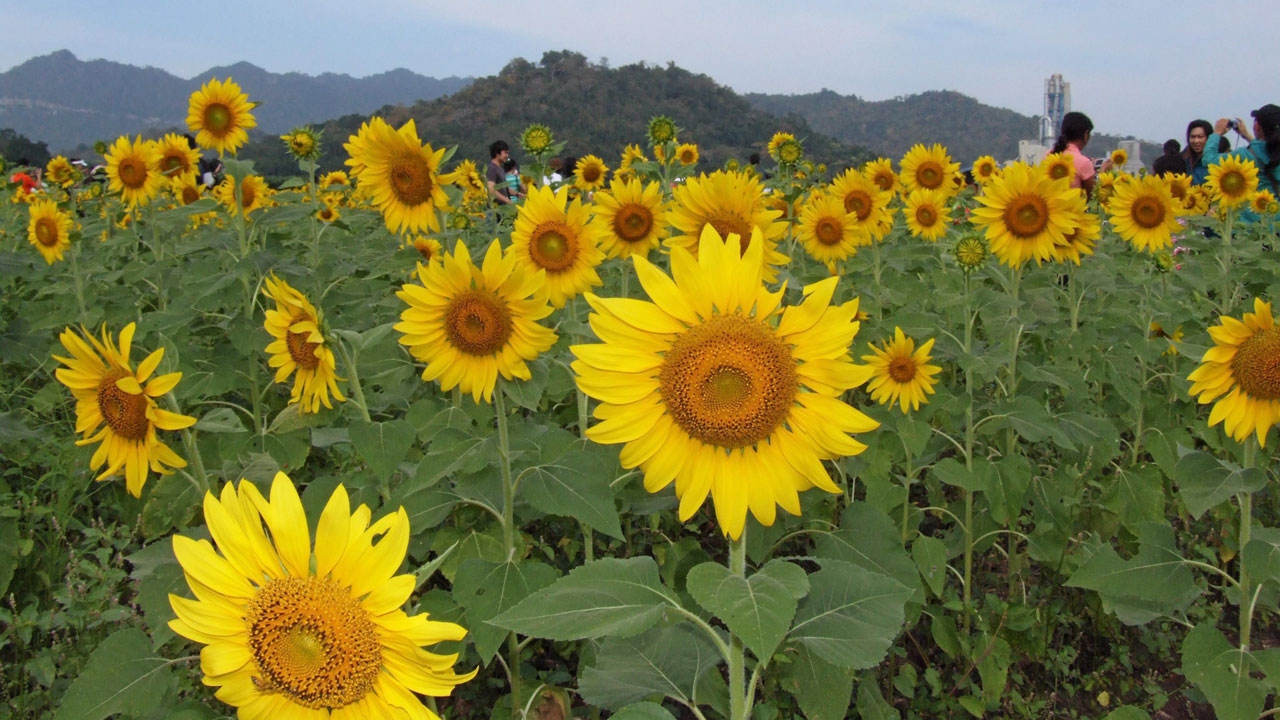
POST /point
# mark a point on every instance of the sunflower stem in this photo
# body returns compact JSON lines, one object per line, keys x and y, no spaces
{"x":1245,"y":500}
{"x":353,"y":377}
{"x":970,"y":318}
{"x":875,"y":276}
{"x":193,"y":450}
{"x":739,"y":700}
{"x":508,"y":533}
{"x":79,"y":281}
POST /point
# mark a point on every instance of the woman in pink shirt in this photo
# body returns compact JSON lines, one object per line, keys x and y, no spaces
{"x":1074,"y":135}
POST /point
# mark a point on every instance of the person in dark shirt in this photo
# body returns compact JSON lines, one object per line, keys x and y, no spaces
{"x":1171,"y":162}
{"x":495,"y":177}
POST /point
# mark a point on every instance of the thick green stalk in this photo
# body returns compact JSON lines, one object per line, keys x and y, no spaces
{"x":739,"y":700}
{"x":508,"y":535}
{"x":353,"y":378}
{"x":1245,"y":501}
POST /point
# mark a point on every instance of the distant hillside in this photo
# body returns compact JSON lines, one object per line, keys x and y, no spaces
{"x":594,"y":108}
{"x":968,"y":128}
{"x":66,"y":102}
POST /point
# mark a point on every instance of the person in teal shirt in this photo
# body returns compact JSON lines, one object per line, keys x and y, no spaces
{"x":1263,"y":148}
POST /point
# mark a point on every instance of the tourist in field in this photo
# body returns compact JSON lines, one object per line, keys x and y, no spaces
{"x":1171,"y":162}
{"x":494,"y":175}
{"x":512,"y":181}
{"x":1263,"y":145}
{"x":1076,"y":130}
{"x":554,"y":178}
{"x":1198,"y":132}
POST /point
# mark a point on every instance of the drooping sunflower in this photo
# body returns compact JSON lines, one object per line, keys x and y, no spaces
{"x":470,"y":324}
{"x":132,"y":170}
{"x":927,"y":168}
{"x":1143,"y":213}
{"x":176,"y":158}
{"x":536,"y":139}
{"x":247,"y":196}
{"x":220,"y":115}
{"x":984,"y":169}
{"x":687,"y":154}
{"x":1105,"y":187}
{"x":116,"y":407}
{"x":928,"y":214}
{"x":303,"y":142}
{"x":880,"y":171}
{"x":555,"y":234}
{"x":49,"y":229}
{"x":829,"y":233}
{"x":590,"y":174}
{"x":714,"y":386}
{"x":62,"y":173}
{"x":1058,"y":166}
{"x":1240,"y":372}
{"x":901,"y":372}
{"x":732,"y":203}
{"x":400,"y":173}
{"x":634,"y":215}
{"x":1233,"y":181}
{"x":302,"y":630}
{"x":298,"y":343}
{"x":631,"y":154}
{"x":1025,"y":214}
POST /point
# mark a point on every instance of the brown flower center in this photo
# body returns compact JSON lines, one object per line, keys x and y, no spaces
{"x":829,"y":231}
{"x":126,"y":414}
{"x":1148,"y":212}
{"x":553,"y":246}
{"x":1232,"y":183}
{"x":410,"y":179}
{"x":926,"y":216}
{"x":884,"y":181}
{"x":132,"y":172}
{"x":591,"y":173}
{"x":930,"y":175}
{"x":477,"y":323}
{"x":1256,"y":366}
{"x":47,"y":231}
{"x":726,"y":224}
{"x":301,"y":350}
{"x":217,"y":119}
{"x":1026,"y":216}
{"x":633,"y":222}
{"x":858,"y":201}
{"x":902,"y":369}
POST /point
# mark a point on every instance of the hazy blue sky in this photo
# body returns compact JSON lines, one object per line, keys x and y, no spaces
{"x":1140,"y":67}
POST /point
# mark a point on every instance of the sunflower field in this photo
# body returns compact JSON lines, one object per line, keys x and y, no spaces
{"x":666,"y":441}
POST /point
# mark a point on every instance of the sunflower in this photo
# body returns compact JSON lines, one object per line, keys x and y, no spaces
{"x":1263,"y":202}
{"x":633,"y":214}
{"x":591,"y":174}
{"x":661,"y":130}
{"x":631,"y":154}
{"x":828,"y":233}
{"x":927,"y":168}
{"x":1143,"y":213}
{"x":132,"y":170}
{"x":250,"y":195}
{"x":220,"y":115}
{"x":928,"y":215}
{"x":61,"y":172}
{"x":1197,"y":201}
{"x":714,"y":386}
{"x":880,"y":171}
{"x":536,"y":139}
{"x":1179,"y":187}
{"x":49,"y":229}
{"x":789,"y":152}
{"x":401,"y":174}
{"x":1240,"y":372}
{"x":299,"y":344}
{"x":176,"y":158}
{"x":1233,"y":181}
{"x":732,"y":203}
{"x":1025,"y":214}
{"x":1105,"y":186}
{"x":984,"y":169}
{"x":554,"y":234}
{"x":468,"y":323}
{"x":186,"y":189}
{"x":429,"y":249}
{"x":970,"y":252}
{"x":302,"y":631}
{"x":303,"y":142}
{"x":1058,"y":166}
{"x":687,"y":154}
{"x":116,"y":407}
{"x":777,"y":141}
{"x":337,"y":178}
{"x":1081,"y":239}
{"x":1119,"y":158}
{"x":328,"y":212}
{"x":901,"y":373}
{"x":864,"y":200}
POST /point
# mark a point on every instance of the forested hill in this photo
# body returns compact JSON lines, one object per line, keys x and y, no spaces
{"x":968,"y":128}
{"x":66,"y":102}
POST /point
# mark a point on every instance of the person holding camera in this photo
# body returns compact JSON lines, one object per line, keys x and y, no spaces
{"x":1263,"y":150}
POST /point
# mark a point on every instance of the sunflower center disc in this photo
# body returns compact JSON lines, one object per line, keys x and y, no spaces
{"x":47,"y":232}
{"x":1058,"y":171}
{"x":410,"y":179}
{"x":476,"y":323}
{"x":1232,"y":183}
{"x":884,"y":181}
{"x":829,"y":231}
{"x":133,"y":173}
{"x":1147,"y":212}
{"x":902,"y":369}
{"x":170,"y":164}
{"x":591,"y":173}
{"x":1026,"y":216}
{"x":726,"y":224}
{"x":1256,"y":365}
{"x":190,"y":194}
{"x":217,"y":118}
{"x":930,"y":176}
{"x":633,"y":222}
{"x":858,"y":202}
{"x":302,"y":351}
{"x":247,"y":195}
{"x":313,"y":642}
{"x":553,"y":247}
{"x":926,"y":216}
{"x":729,"y":382}
{"x":126,"y":414}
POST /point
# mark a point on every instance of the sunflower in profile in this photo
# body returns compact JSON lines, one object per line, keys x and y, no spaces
{"x":880,"y":171}
{"x":591,"y":174}
{"x":303,"y":142}
{"x":733,"y":204}
{"x":970,"y":252}
{"x":536,"y":139}
{"x":1233,"y":181}
{"x":469,"y":324}
{"x":687,"y":154}
{"x":1105,"y":187}
{"x":1119,"y":158}
{"x":49,"y":229}
{"x":777,"y":141}
{"x":900,"y":372}
{"x":220,"y":115}
{"x":116,"y":407}
{"x":984,"y":169}
{"x":1240,"y":372}
{"x":176,"y":158}
{"x":337,"y":178}
{"x":401,"y":175}
{"x":301,"y":629}
{"x":1263,"y":202}
{"x":662,"y":130}
{"x":829,"y":234}
{"x":1143,"y":213}
{"x":298,"y":343}
{"x":928,"y":215}
{"x":1058,"y":166}
{"x":631,"y":154}
{"x":714,"y":386}
{"x":132,"y":170}
{"x":557,"y":235}
{"x":429,"y":249}
{"x":1025,"y":214}
{"x":927,"y":168}
{"x":633,"y":213}
{"x":62,"y":173}
{"x":252,"y":194}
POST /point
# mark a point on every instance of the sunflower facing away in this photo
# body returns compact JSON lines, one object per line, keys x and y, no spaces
{"x":1142,"y":211}
{"x":536,"y":139}
{"x":303,"y":142}
{"x":928,"y":168}
{"x":731,"y":203}
{"x":116,"y":407}
{"x":1240,"y":372}
{"x":297,"y":629}
{"x":901,"y":372}
{"x":1233,"y":181}
{"x":661,"y":130}
{"x":132,"y":170}
{"x":298,"y":343}
{"x":557,"y":235}
{"x":49,"y":229}
{"x":1025,"y":214}
{"x":829,"y":234}
{"x":633,"y":213}
{"x":714,"y":386}
{"x":590,"y":174}
{"x":927,"y":213}
{"x":400,"y":173}
{"x":220,"y":115}
{"x":470,"y":324}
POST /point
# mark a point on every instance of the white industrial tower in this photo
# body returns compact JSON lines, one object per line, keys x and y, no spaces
{"x":1057,"y":102}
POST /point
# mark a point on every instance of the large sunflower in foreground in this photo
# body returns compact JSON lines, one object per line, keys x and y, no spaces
{"x":557,"y":235}
{"x":49,"y":229}
{"x":1232,"y":181}
{"x":634,"y":215}
{"x":116,"y":407}
{"x":864,"y":199}
{"x":1026,"y":214}
{"x":470,"y":324}
{"x":901,"y":372}
{"x":927,"y":168}
{"x":715,"y":386}
{"x":400,"y":173}
{"x":132,"y":170}
{"x":731,"y":203}
{"x":927,"y":213}
{"x":301,"y":630}
{"x":220,"y":115}
{"x":1143,"y":212}
{"x":829,"y":234}
{"x":299,"y":344}
{"x":1240,"y":372}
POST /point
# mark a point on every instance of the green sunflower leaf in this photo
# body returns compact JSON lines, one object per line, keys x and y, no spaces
{"x":123,"y":675}
{"x":758,"y":609}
